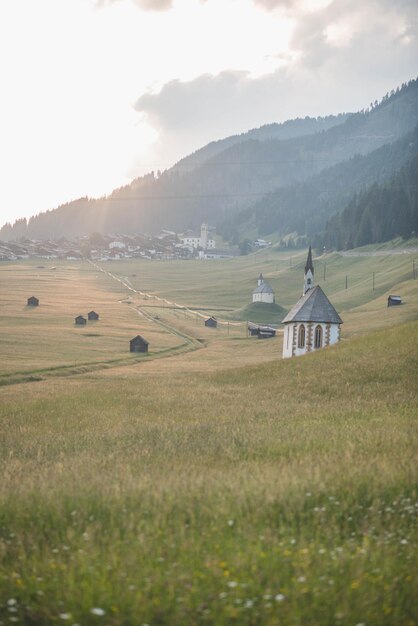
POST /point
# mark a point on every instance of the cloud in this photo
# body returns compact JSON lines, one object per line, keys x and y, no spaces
{"x":342,"y":57}
{"x":146,"y":5}
{"x":270,"y":5}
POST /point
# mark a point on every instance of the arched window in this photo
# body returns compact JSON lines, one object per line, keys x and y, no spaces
{"x":318,"y":337}
{"x":301,"y":336}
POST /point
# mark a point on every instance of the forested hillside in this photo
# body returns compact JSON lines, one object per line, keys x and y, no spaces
{"x":263,"y":171}
{"x":377,"y":214}
{"x":305,"y":207}
{"x":287,"y":130}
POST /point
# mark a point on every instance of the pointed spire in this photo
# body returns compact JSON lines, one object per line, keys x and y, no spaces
{"x":308,"y":281}
{"x":260,"y":280}
{"x":309,"y":264}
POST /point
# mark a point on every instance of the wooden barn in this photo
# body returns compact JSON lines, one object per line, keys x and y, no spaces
{"x":80,"y":320}
{"x":93,"y":316}
{"x":262,"y":332}
{"x":138,"y":344}
{"x":32,"y":301}
{"x":266,"y":332}
{"x":394,"y":300}
{"x":211,"y":322}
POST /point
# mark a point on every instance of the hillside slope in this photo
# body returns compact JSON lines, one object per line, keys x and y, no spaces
{"x":232,"y":179}
{"x":305,"y":207}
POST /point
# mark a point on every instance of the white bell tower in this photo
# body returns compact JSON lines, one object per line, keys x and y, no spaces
{"x":308,"y":282}
{"x":204,"y":235}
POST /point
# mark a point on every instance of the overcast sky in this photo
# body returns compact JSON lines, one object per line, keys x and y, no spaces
{"x":97,"y":92}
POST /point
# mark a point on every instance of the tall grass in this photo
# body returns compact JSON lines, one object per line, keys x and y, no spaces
{"x":282,"y":493}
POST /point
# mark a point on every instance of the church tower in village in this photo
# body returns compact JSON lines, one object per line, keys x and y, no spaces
{"x":309,"y":273}
{"x":204,"y":235}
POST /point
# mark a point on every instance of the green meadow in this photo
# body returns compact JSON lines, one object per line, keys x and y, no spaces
{"x":209,"y":481}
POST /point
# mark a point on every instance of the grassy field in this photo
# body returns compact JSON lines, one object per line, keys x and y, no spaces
{"x":221,"y":485}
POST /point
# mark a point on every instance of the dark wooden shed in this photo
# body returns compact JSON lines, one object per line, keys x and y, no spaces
{"x":267,"y":333}
{"x":80,"y":320}
{"x":394,"y":300}
{"x":138,"y":344}
{"x":262,"y":332}
{"x":93,"y":316}
{"x":32,"y":301}
{"x":211,"y":322}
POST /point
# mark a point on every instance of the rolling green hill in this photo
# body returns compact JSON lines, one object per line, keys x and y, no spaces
{"x":260,"y":313}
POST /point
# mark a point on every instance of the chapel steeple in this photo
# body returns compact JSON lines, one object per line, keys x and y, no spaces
{"x":309,"y":273}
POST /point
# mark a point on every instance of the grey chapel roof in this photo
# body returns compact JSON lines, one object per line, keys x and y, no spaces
{"x":314,"y":306}
{"x":264,"y":287}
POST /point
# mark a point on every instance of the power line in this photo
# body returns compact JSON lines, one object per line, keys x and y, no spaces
{"x":214,"y":195}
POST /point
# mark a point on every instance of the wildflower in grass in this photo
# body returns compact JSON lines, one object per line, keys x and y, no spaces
{"x":248,"y":604}
{"x":301,"y":579}
{"x":231,"y":522}
{"x":279,"y":597}
{"x":98,"y":611}
{"x":232,"y":584}
{"x":403,"y":541}
{"x":65,"y":616}
{"x":11,"y":602}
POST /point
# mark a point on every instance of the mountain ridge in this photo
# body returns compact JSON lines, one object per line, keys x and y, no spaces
{"x":232,"y":179}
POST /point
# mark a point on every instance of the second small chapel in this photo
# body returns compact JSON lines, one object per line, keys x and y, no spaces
{"x":312,"y":323}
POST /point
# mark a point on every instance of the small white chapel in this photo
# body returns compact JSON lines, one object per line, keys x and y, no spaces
{"x":263,"y":292}
{"x":312,"y":323}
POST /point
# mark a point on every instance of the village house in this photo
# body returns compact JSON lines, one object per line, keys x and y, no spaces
{"x":263,"y":292}
{"x":312,"y":323}
{"x":80,"y":320}
{"x":32,"y":301}
{"x":211,"y":322}
{"x":93,"y":316}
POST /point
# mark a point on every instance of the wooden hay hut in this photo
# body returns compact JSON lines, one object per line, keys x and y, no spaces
{"x":138,"y":344}
{"x":266,"y":332}
{"x":394,"y":300}
{"x":262,"y":332}
{"x":211,"y":322}
{"x":32,"y":301}
{"x":93,"y":316}
{"x":80,"y":320}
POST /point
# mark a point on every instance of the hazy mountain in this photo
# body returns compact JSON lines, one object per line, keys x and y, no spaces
{"x":227,"y":177}
{"x":379,"y":213}
{"x":305,"y":207}
{"x":287,"y":130}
